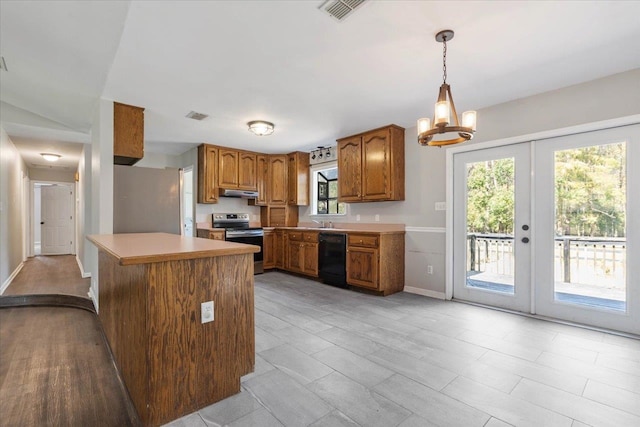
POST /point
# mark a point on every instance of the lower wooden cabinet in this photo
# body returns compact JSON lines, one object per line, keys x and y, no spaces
{"x":269,"y":249}
{"x":210,"y":234}
{"x":280,"y":256}
{"x":302,"y":252}
{"x":376,"y":261}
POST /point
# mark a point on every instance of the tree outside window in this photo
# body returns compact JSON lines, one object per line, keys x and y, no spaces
{"x":327,"y":201}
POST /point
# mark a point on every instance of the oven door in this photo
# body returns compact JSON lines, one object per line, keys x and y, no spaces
{"x":249,"y":240}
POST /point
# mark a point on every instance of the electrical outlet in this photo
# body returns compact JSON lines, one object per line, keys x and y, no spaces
{"x":358,"y":217}
{"x":441,"y":206}
{"x":377,"y":217}
{"x":429,"y":269}
{"x":206,"y":312}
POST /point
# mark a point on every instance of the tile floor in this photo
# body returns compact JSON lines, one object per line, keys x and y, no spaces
{"x":332,"y":357}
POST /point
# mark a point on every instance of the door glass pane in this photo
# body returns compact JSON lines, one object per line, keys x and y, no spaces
{"x":590,"y":244}
{"x":490,"y":219}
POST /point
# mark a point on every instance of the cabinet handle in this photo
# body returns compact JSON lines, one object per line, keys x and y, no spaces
{"x":360,"y":240}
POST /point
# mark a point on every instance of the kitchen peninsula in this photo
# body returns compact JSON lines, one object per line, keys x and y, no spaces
{"x":151,"y":286}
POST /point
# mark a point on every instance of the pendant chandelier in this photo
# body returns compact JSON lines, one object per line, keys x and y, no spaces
{"x":444,"y":109}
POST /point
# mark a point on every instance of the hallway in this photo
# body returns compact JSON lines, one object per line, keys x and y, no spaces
{"x":55,"y":366}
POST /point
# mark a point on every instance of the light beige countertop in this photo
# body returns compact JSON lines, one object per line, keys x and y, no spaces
{"x":143,"y":248}
{"x":349,"y":228}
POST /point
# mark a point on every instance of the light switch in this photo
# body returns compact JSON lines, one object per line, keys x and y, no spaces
{"x":206,"y":312}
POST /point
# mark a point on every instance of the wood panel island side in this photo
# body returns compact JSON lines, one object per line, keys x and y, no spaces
{"x":151,"y":286}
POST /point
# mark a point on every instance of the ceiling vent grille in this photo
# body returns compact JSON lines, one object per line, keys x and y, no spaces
{"x":196,"y":116}
{"x":340,"y":9}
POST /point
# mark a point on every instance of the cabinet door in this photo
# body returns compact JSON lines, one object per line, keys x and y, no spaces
{"x":376,"y":165}
{"x":298,"y":179}
{"x":207,"y":168}
{"x":279,"y":249}
{"x":310,"y":259}
{"x":350,"y":169}
{"x":262,"y":179}
{"x":128,"y":133}
{"x":269,"y":249}
{"x":247,"y":163}
{"x":362,"y":267}
{"x":294,"y":255}
{"x":277,"y":180}
{"x":228,"y":168}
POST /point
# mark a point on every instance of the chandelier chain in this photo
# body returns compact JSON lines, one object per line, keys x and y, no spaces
{"x":444,"y":59}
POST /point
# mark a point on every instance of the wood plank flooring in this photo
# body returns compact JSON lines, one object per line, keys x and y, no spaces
{"x":57,"y":274}
{"x":332,"y":357}
{"x":55,"y":367}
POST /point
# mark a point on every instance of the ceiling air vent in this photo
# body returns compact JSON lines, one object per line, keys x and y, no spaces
{"x":196,"y":116}
{"x":340,"y":9}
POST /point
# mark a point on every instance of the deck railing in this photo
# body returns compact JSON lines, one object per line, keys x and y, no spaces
{"x":577,"y":259}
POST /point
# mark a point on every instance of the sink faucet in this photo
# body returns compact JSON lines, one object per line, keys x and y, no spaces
{"x":321,"y":223}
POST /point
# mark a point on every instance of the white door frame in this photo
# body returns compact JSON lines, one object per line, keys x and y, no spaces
{"x":588,"y":127}
{"x":520,"y":299}
{"x":31,"y":233}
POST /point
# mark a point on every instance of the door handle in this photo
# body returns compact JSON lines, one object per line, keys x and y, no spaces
{"x":525,"y":240}
{"x":41,"y":222}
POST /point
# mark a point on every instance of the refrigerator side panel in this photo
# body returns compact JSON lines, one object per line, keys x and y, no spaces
{"x":146,"y":200}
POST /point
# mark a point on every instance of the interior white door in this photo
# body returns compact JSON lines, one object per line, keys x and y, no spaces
{"x":587,"y":193}
{"x":56,"y":219}
{"x":492,"y":228}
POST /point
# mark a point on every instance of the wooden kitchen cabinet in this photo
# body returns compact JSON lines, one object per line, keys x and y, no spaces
{"x":371,"y":166}
{"x":279,"y":216}
{"x":277,"y":186}
{"x":269,"y":249}
{"x":237,"y":169}
{"x":262,"y":180}
{"x":128,"y":134}
{"x":376,"y":261}
{"x":298,"y":178}
{"x":207,"y":178}
{"x":280,"y":258}
{"x":302,"y":252}
{"x":210,"y":234}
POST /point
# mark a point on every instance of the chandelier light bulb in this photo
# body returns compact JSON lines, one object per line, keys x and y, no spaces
{"x":443,"y":113}
{"x":469,"y":119}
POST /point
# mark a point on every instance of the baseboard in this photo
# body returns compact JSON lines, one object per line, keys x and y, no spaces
{"x":93,"y":299}
{"x":424,"y":292}
{"x":7,"y":282}
{"x":82,"y":272}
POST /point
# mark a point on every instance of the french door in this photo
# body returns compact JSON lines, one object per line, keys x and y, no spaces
{"x":492,"y":249}
{"x":552,"y":227}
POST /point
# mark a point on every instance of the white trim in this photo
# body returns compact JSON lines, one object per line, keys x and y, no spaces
{"x":93,"y":298}
{"x":424,"y":292}
{"x":7,"y":282}
{"x":426,"y":229}
{"x":566,"y":131}
{"x":81,"y":267}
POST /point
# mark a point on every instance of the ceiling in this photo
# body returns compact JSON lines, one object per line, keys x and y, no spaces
{"x":289,"y":63}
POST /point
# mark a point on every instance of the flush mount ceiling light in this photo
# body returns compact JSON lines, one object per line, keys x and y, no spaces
{"x":443,"y":110}
{"x":260,"y":127}
{"x":51,"y":157}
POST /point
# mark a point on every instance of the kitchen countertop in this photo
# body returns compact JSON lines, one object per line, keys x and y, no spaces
{"x":344,"y":229}
{"x":142,"y":248}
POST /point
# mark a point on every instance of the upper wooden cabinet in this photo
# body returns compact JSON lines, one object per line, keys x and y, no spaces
{"x":371,"y":166}
{"x":298,"y":178}
{"x":128,"y":134}
{"x":237,"y":169}
{"x":262,"y":179}
{"x":277,"y":187}
{"x":207,"y":167}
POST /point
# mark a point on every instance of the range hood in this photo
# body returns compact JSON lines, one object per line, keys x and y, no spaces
{"x":238,"y":193}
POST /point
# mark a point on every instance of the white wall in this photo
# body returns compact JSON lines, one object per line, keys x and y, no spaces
{"x":51,"y":175}
{"x":101,"y":185}
{"x":83,"y":211}
{"x":12,"y":220}
{"x":610,"y":97}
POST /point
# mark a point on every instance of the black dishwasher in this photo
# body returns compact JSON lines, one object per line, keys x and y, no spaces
{"x":332,"y":258}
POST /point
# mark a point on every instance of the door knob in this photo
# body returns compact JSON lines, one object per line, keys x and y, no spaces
{"x":525,"y":240}
{"x":41,"y":222}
